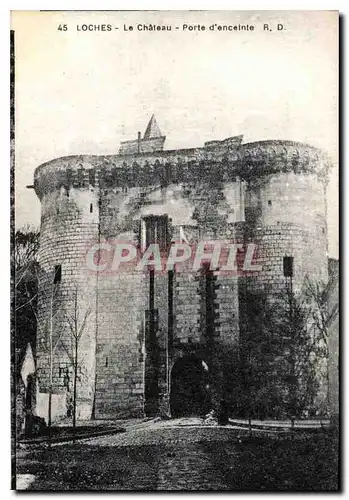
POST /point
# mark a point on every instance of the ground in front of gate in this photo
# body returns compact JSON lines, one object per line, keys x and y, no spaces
{"x":166,"y":457}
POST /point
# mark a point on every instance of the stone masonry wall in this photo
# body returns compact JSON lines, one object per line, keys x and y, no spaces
{"x":123,"y":299}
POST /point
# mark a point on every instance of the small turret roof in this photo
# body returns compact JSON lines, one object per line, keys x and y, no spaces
{"x":152,"y":129}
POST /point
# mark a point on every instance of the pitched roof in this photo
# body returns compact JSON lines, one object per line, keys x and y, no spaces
{"x":152,"y":129}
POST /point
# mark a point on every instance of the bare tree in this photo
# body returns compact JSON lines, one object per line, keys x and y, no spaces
{"x":26,"y":246}
{"x":49,"y":339}
{"x":76,"y":320}
{"x":24,"y":288}
{"x":24,"y":259}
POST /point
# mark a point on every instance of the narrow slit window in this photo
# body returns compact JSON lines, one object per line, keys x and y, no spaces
{"x":58,"y":274}
{"x":91,"y":208}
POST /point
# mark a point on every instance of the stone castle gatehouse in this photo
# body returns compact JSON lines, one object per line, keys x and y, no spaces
{"x":152,"y":342}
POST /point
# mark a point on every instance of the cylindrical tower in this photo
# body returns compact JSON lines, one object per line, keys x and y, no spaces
{"x":285,"y":208}
{"x":66,"y":334}
{"x":286,"y":211}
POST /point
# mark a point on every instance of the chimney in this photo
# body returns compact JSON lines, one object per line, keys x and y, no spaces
{"x":139,"y":142}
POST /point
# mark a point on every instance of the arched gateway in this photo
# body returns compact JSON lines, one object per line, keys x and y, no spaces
{"x":190,"y":390}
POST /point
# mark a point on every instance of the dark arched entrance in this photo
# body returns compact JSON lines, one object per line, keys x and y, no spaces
{"x":190,"y":391}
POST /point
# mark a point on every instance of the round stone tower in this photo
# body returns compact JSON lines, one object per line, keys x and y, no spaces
{"x":285,"y":209}
{"x":66,"y":334}
{"x":285,"y":217}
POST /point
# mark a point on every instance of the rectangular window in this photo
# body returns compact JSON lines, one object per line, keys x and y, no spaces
{"x":288,"y":267}
{"x":154,"y":229}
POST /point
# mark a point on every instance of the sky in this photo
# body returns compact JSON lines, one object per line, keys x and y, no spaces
{"x":83,"y":92}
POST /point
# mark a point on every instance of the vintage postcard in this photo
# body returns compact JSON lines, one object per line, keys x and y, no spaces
{"x":175,"y":250}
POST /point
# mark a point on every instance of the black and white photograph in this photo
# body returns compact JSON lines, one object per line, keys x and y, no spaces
{"x":175,"y":251}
